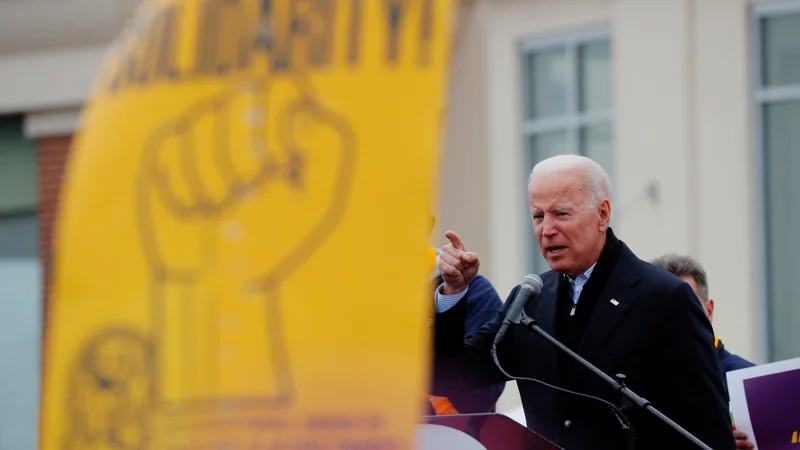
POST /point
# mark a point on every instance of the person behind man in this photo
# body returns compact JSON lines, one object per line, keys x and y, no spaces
{"x":617,"y":311}
{"x":690,"y":271}
{"x":482,"y":304}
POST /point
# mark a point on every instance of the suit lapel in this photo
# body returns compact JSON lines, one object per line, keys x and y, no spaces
{"x":615,"y":300}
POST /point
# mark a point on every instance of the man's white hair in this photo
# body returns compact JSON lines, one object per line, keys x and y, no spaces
{"x":598,"y":183}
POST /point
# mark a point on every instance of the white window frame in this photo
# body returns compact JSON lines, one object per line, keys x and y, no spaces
{"x":573,"y":120}
{"x":763,"y":95}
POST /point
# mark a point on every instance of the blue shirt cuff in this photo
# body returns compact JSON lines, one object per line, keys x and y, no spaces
{"x":445,"y":302}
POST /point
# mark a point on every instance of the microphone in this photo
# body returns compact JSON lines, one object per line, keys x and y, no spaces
{"x":530,"y":286}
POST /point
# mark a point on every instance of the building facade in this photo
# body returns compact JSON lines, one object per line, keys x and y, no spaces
{"x":691,"y":105}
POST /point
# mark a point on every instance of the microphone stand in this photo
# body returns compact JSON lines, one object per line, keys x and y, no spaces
{"x":627,"y":428}
{"x":618,"y":384}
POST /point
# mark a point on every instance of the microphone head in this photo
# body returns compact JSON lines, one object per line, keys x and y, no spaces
{"x":534,"y":282}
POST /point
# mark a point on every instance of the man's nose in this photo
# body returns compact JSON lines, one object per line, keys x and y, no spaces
{"x":548,"y":227}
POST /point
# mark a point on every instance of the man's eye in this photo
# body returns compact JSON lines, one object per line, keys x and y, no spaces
{"x":561,"y":214}
{"x":538,"y":216}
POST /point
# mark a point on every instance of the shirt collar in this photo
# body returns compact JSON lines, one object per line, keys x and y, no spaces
{"x":584,"y":275}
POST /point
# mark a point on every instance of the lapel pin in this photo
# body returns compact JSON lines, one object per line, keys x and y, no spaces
{"x":614,"y":302}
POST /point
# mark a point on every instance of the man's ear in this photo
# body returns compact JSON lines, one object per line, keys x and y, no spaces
{"x":604,"y":211}
{"x":709,"y":307}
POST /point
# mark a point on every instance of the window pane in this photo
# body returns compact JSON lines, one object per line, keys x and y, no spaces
{"x":780,"y":40}
{"x":20,"y":343}
{"x":19,"y":237}
{"x":542,"y":146}
{"x":547,"y":83}
{"x":781,"y":141}
{"x":594,"y":75}
{"x":545,"y":145}
{"x":18,"y":175}
{"x":596,"y":143}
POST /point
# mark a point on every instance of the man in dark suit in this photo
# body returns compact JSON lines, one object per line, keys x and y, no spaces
{"x":617,"y":311}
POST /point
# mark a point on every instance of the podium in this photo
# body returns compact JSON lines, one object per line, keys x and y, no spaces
{"x":478,"y":432}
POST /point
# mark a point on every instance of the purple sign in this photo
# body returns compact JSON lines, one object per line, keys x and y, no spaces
{"x":774,"y":405}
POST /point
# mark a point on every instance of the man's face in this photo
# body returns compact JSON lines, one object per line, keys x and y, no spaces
{"x":708,"y":305}
{"x":570,"y":234}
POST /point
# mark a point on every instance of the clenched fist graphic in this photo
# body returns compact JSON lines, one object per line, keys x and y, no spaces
{"x":232,"y":196}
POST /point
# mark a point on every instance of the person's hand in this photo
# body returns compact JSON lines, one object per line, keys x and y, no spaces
{"x":457,"y":265}
{"x":741,"y":440}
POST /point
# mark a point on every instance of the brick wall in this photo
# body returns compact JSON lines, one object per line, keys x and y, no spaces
{"x":53,"y":153}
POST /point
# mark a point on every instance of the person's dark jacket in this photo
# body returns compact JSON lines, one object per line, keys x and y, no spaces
{"x":729,"y":362}
{"x":482,"y":304}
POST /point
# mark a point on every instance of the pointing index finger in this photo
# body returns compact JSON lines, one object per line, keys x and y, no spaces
{"x":455,"y":240}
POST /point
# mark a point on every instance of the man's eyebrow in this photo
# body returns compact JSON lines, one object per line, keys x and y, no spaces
{"x":552,"y":209}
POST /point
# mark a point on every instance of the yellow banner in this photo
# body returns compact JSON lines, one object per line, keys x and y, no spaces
{"x":241,"y":254}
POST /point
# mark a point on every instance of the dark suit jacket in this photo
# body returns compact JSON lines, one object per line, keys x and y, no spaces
{"x":730,"y":362}
{"x":657,"y":335}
